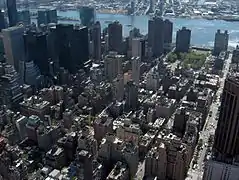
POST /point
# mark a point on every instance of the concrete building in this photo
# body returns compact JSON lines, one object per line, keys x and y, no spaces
{"x":180,"y":121}
{"x":11,"y":93}
{"x":183,"y":39}
{"x":84,"y":163}
{"x":138,"y":47}
{"x":35,"y":106}
{"x":220,"y":42}
{"x":156,"y":162}
{"x":128,"y":131}
{"x":152,"y":80}
{"x":31,"y":127}
{"x":55,"y":157}
{"x":113,"y":65}
{"x":14,"y":45}
{"x":118,"y":87}
{"x":136,"y":62}
{"x":215,"y":170}
{"x":226,"y":144}
{"x":115,"y":37}
{"x":119,"y":172}
{"x":131,"y":94}
{"x":102,"y":125}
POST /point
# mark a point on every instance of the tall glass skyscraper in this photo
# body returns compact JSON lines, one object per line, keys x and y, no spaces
{"x":12,"y":12}
{"x":87,"y":16}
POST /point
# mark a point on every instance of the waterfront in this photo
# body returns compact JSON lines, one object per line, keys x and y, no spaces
{"x":203,"y":31}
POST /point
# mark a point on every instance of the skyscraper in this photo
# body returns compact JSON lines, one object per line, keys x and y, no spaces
{"x":2,"y":20}
{"x":136,"y":69}
{"x":115,"y":36}
{"x":69,"y":46}
{"x":226,"y":144}
{"x":131,"y":91}
{"x":24,"y":17}
{"x":87,"y":16}
{"x":113,"y":65}
{"x":36,"y":50}
{"x":221,"y":42}
{"x":46,"y":16}
{"x":12,"y":12}
{"x":168,"y":31}
{"x":63,"y":36}
{"x":183,"y":39}
{"x":80,"y":47}
{"x":156,"y":35}
{"x":96,"y":40}
{"x":14,"y":45}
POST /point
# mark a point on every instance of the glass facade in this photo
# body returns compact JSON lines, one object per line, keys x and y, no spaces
{"x":87,"y":16}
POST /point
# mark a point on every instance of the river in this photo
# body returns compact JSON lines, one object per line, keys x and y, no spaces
{"x":203,"y":31}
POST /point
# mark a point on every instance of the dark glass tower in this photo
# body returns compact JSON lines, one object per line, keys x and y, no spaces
{"x":24,"y":17}
{"x":69,"y":46}
{"x":80,"y":47}
{"x":183,"y":39}
{"x":2,"y":20}
{"x":96,"y":39}
{"x":168,"y":31}
{"x":156,"y":35}
{"x":36,"y":50}
{"x":46,"y":16}
{"x":87,"y":16}
{"x":12,"y":12}
{"x":115,"y":36}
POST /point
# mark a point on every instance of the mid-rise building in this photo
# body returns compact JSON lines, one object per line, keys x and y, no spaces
{"x":220,"y":42}
{"x":35,"y":106}
{"x":156,"y":162}
{"x":119,"y":172}
{"x":102,"y":125}
{"x":183,"y":39}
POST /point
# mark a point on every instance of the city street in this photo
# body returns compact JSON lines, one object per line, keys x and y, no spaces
{"x":209,"y":128}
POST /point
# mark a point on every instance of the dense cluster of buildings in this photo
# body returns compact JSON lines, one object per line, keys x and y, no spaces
{"x":79,"y":103}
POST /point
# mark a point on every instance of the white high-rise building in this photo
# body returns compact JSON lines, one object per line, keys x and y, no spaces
{"x":113,"y":65}
{"x":14,"y":45}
